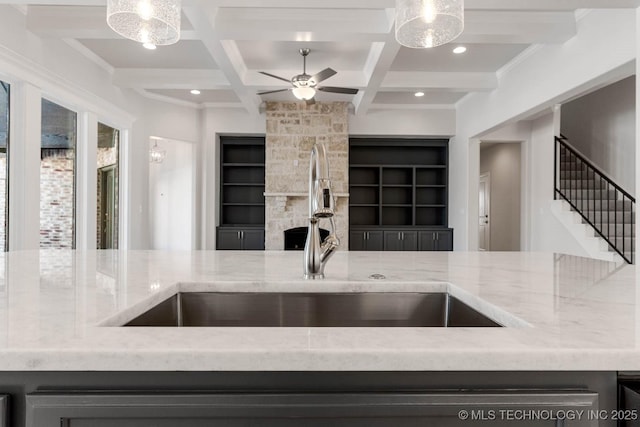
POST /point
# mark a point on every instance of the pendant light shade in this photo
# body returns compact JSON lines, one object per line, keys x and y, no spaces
{"x":146,"y":21}
{"x":428,"y":23}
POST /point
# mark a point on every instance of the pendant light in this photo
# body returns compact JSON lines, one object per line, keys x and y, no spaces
{"x":154,"y":22}
{"x":428,"y":23}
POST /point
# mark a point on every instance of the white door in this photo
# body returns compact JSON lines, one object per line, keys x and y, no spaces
{"x":484,"y":237}
{"x":171,"y":196}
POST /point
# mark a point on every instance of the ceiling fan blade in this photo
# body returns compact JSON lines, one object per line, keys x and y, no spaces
{"x":275,"y":77}
{"x":323,"y":75}
{"x":272,"y":91}
{"x":310,"y":101}
{"x":346,"y":90}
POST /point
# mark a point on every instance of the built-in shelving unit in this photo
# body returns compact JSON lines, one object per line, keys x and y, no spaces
{"x":242,"y":203}
{"x":397,"y":183}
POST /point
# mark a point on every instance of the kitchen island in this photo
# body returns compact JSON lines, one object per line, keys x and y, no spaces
{"x":60,"y":311}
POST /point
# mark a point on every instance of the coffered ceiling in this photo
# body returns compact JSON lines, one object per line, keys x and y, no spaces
{"x":224,"y":43}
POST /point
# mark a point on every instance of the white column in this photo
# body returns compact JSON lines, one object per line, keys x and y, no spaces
{"x":86,"y":181}
{"x":24,"y":167}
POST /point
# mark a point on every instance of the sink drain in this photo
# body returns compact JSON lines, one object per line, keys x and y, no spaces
{"x":377,"y":276}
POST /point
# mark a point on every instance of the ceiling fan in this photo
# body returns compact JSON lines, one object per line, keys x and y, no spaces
{"x":305,"y":86}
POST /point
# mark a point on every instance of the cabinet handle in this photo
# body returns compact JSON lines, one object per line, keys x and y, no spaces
{"x":242,"y":235}
{"x":437,"y":236}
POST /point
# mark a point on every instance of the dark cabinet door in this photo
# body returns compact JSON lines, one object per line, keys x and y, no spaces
{"x":435,"y":240}
{"x":374,"y":241}
{"x":365,"y":240}
{"x":400,"y":240}
{"x":444,"y":240}
{"x":427,"y":241}
{"x":357,"y":240}
{"x":229,"y":239}
{"x":252,"y":239}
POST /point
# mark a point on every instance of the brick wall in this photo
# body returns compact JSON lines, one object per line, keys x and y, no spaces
{"x":292,"y":129}
{"x":57,"y":200}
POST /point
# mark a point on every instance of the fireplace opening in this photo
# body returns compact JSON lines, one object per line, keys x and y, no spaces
{"x":295,"y":238}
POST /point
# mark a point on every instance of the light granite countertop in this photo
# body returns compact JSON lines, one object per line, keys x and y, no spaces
{"x":58,"y":308}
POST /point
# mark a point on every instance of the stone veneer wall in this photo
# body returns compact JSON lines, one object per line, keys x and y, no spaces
{"x":292,"y":129}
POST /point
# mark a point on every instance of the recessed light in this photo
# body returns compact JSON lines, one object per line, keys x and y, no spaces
{"x":149,"y":46}
{"x":195,"y":92}
{"x":460,"y":49}
{"x":419,"y":94}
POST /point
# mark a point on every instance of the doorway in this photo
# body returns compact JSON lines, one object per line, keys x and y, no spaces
{"x":484,"y":210}
{"x":500,"y":196}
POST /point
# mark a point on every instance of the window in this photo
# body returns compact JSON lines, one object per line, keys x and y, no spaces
{"x":57,"y":176}
{"x":107,"y":207}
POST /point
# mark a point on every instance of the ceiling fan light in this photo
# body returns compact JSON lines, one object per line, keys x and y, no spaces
{"x":428,"y":23}
{"x":304,"y":93}
{"x":145,"y":21}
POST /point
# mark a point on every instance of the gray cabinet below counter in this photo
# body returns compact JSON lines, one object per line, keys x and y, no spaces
{"x":401,"y":239}
{"x":232,"y":238}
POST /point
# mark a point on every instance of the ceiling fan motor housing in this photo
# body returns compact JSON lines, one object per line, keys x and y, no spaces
{"x":303,"y":80}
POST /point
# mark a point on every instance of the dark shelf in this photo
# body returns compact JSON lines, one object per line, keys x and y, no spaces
{"x":398,"y":182}
{"x":242,"y":176}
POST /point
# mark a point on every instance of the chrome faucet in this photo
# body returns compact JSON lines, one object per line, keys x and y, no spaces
{"x":321,"y":205}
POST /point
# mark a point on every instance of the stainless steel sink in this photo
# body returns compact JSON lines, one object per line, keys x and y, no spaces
{"x":312,"y":310}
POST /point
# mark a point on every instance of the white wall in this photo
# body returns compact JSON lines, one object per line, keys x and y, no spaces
{"x":547,"y":233}
{"x":502,"y":162}
{"x":172,"y":196}
{"x":603,"y":51}
{"x":602,"y":126}
{"x":425,"y":123}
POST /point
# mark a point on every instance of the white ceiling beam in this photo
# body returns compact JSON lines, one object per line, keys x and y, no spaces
{"x":518,"y":27}
{"x":264,"y":24}
{"x":76,"y":22}
{"x":145,"y":78}
{"x":377,"y":67}
{"x":558,"y":5}
{"x":373,"y":4}
{"x":524,"y":5}
{"x":303,"y":24}
{"x":374,"y":25}
{"x":458,"y":82}
{"x":224,"y":53}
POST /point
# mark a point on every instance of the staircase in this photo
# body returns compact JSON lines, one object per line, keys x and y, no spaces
{"x":601,"y":204}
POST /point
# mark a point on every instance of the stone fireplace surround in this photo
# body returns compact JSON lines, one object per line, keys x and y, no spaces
{"x":292,"y":129}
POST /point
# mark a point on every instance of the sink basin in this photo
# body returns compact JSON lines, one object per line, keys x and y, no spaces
{"x":396,"y":309}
